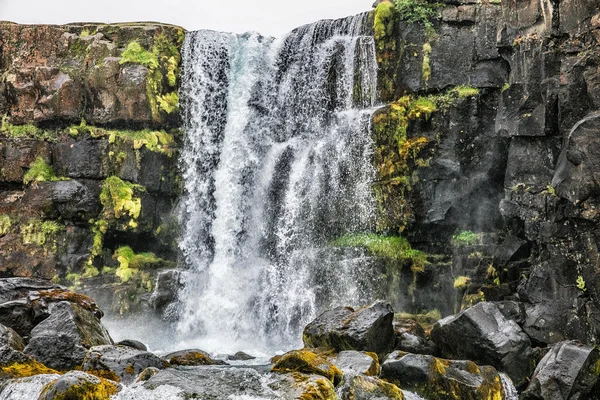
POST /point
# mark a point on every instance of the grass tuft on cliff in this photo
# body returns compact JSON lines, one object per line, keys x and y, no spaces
{"x":119,"y":200}
{"x":394,"y":248}
{"x":39,"y":171}
{"x":419,"y":11}
{"x":136,"y":54}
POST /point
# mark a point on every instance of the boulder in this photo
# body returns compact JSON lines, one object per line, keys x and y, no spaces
{"x":483,"y":334}
{"x":79,"y":385}
{"x":356,"y":362}
{"x":434,"y":378}
{"x":366,"y":329}
{"x":134,"y":344}
{"x":307,"y":362}
{"x":13,"y":389}
{"x":410,"y":337}
{"x":11,"y":346}
{"x":568,"y":371}
{"x":240,"y":356}
{"x":75,"y":201}
{"x":360,"y":387}
{"x":62,"y":340}
{"x":190,"y":358}
{"x":120,"y":363}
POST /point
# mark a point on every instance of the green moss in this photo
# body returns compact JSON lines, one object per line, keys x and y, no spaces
{"x":131,"y":263}
{"x":156,"y":141}
{"x":505,"y":87}
{"x":136,"y":54}
{"x":5,"y":224}
{"x":466,"y":91}
{"x":86,"y":390}
{"x":426,"y":319}
{"x":120,"y":201}
{"x":461,"y":282}
{"x":39,"y":233}
{"x":465,"y":238}
{"x":307,"y":362}
{"x":384,"y":13}
{"x":39,"y":171}
{"x":420,"y":11}
{"x":168,"y":102}
{"x":581,"y":283}
{"x":426,"y":68}
{"x":24,"y":370}
{"x":27,"y":130}
{"x":390,"y":247}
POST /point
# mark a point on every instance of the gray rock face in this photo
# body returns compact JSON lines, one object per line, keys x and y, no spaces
{"x":352,"y":362}
{"x":133,"y":344}
{"x":367,"y":329}
{"x":568,"y":371}
{"x":121,"y":362}
{"x":431,"y":377}
{"x":11,"y":346}
{"x":482,"y":334}
{"x":61,"y":341}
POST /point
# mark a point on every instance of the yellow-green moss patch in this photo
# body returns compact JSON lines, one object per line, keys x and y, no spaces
{"x":121,"y":201}
{"x":39,"y":171}
{"x":24,"y":369}
{"x":307,"y":362}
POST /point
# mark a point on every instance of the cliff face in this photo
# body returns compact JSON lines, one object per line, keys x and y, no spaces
{"x":88,"y":154}
{"x":487,"y":157}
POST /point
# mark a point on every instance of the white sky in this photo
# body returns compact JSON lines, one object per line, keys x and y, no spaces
{"x":269,"y":17}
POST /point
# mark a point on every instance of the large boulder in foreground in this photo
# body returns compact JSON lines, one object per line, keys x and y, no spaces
{"x":568,"y":371}
{"x":79,"y":385}
{"x":483,"y":334}
{"x":307,"y":362}
{"x":359,"y":387}
{"x":25,"y":302}
{"x":62,"y":340}
{"x":343,"y":328}
{"x":434,"y":378}
{"x":120,"y":363}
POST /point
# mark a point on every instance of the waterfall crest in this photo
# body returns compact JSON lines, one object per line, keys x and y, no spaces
{"x":277,"y":162}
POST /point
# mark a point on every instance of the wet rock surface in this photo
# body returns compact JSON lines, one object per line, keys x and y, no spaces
{"x":367,"y":329}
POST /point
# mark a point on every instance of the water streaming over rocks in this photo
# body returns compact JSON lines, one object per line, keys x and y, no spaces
{"x":277,"y":162}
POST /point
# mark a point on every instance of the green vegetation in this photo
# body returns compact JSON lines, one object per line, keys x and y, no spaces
{"x":550,"y":190}
{"x":120,"y":201}
{"x":505,"y":87}
{"x":581,"y":283}
{"x":136,"y":54}
{"x":130,"y":264}
{"x":461,"y":282}
{"x":27,"y":130}
{"x":465,"y":238}
{"x":466,"y":91}
{"x":163,"y":60}
{"x":39,"y":171}
{"x":5,"y":224}
{"x":419,"y":11}
{"x":426,"y":69}
{"x":394,"y":248}
{"x":426,"y":320}
{"x":388,"y":50}
{"x":40,"y":232}
{"x":383,"y":15}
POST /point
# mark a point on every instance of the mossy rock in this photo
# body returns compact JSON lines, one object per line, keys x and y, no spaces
{"x":79,"y":385}
{"x":24,"y":369}
{"x":306,"y":361}
{"x":366,"y":387}
{"x":191,"y":358}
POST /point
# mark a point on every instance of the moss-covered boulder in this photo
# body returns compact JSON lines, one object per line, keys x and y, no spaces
{"x":79,"y":385}
{"x":191,"y":358}
{"x":356,"y":362}
{"x":360,"y":387}
{"x":120,"y":363}
{"x":24,"y":368}
{"x":439,"y":379}
{"x":62,"y":340}
{"x":366,"y":329}
{"x":307,"y":362}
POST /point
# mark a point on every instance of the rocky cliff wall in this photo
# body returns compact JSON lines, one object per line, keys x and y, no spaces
{"x":487,"y":157}
{"x":88,"y":155}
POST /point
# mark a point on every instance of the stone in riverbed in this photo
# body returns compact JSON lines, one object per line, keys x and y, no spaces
{"x":79,"y":385}
{"x":366,"y":329}
{"x":356,"y":362}
{"x":437,"y":379}
{"x":307,"y":362}
{"x":568,"y":371}
{"x":191,"y":358}
{"x":120,"y":363}
{"x":62,"y":340}
{"x":240,"y":356}
{"x":360,"y":387}
{"x":133,"y":344}
{"x":483,"y":334}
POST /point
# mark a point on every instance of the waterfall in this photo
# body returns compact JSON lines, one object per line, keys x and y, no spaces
{"x":277,"y":162}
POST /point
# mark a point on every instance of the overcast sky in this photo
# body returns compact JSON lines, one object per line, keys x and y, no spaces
{"x":269,"y":17}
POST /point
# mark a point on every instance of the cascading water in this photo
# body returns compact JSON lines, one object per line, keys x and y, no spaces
{"x":277,"y":162}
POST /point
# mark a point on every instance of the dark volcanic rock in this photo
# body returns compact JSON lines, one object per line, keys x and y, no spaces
{"x":568,"y":371}
{"x":434,"y":378}
{"x":62,"y":340}
{"x":367,"y":329}
{"x":120,"y":362}
{"x":482,"y":334}
{"x":11,"y":346}
{"x":240,"y":356}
